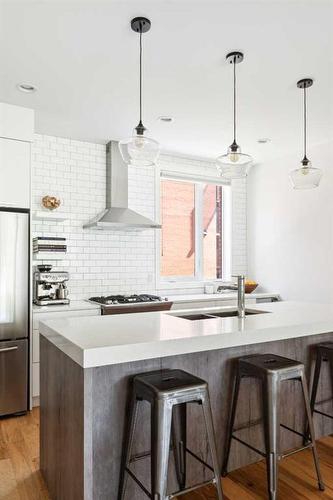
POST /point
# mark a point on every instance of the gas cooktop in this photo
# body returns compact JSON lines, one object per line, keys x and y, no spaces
{"x":111,"y":300}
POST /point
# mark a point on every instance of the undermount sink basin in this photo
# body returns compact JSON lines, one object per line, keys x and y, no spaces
{"x":221,"y":314}
{"x":229,"y":314}
{"x":196,"y":317}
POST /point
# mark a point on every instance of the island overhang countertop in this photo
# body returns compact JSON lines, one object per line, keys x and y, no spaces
{"x":106,"y":340}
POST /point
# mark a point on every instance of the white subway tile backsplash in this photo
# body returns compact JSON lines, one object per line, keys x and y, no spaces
{"x":101,"y":263}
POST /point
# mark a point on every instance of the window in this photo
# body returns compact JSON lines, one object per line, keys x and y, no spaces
{"x":192,"y":231}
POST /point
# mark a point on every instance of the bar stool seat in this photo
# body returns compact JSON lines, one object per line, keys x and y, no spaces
{"x":168,"y":392}
{"x":269,"y":363}
{"x":163,"y":383}
{"x":271,"y":370}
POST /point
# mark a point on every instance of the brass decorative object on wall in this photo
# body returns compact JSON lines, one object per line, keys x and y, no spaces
{"x":51,"y":202}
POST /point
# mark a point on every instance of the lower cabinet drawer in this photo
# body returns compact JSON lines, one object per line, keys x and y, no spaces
{"x":44,"y":316}
{"x":13,"y":377}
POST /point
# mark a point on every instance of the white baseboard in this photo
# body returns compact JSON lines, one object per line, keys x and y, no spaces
{"x":35,"y":401}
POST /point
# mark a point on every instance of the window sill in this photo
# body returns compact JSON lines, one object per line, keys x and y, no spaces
{"x":169,"y":285}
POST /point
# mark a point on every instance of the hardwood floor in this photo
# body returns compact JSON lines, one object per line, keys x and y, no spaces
{"x":20,"y":478}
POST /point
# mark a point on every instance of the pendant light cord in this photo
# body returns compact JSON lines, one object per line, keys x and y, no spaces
{"x":305,"y":118}
{"x":235,"y":99}
{"x":140,"y":86}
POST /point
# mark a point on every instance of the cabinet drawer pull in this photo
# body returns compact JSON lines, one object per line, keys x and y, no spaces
{"x":6,"y":349}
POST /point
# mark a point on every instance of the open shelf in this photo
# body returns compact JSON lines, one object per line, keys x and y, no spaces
{"x":40,"y":215}
{"x":48,"y":255}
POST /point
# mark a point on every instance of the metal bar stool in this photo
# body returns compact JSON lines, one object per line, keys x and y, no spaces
{"x":271,"y":370}
{"x":324,"y":352}
{"x":168,"y":392}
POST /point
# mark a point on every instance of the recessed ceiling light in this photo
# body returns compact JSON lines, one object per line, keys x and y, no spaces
{"x":26,"y":87}
{"x":166,"y":119}
{"x":264,"y":140}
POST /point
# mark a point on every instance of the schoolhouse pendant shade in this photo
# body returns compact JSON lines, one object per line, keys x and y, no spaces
{"x":234,"y":164}
{"x":306,"y":176}
{"x":140,"y":150}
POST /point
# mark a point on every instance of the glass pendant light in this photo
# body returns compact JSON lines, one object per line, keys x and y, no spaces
{"x":139,"y":150}
{"x":306,"y":176}
{"x":234,"y":164}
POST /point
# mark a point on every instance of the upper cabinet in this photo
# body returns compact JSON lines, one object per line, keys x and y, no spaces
{"x":16,"y":136}
{"x":14,"y":173}
{"x":16,"y":123}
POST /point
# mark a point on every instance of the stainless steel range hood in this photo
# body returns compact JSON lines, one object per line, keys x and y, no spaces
{"x":117,"y":215}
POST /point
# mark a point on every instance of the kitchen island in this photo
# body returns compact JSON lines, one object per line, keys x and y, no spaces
{"x":87,"y":364}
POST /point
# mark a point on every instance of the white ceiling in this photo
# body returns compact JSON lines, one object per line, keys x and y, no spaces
{"x":83,"y":56}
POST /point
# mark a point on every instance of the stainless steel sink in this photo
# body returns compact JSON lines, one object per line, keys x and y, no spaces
{"x":219,"y":314}
{"x":195,"y":317}
{"x":230,"y":314}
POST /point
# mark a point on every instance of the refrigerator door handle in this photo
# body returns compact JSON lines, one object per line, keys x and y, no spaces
{"x":6,"y":349}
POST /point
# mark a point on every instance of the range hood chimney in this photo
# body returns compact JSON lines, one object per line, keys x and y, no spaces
{"x":117,"y":216}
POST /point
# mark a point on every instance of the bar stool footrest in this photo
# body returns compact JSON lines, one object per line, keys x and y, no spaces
{"x":292,"y":452}
{"x":244,"y":443}
{"x":191,"y":488}
{"x":145,"y":454}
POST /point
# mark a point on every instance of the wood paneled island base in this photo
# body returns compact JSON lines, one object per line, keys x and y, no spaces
{"x":83,"y":413}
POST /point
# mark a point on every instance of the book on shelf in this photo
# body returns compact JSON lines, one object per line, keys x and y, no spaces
{"x":49,"y":244}
{"x":48,"y":241}
{"x":50,"y":247}
{"x":50,"y":250}
{"x":46,"y":238}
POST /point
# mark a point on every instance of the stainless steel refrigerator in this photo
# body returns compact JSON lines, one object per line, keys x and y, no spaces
{"x":14,"y":310}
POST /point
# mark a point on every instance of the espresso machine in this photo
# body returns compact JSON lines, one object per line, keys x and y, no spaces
{"x":50,"y":287}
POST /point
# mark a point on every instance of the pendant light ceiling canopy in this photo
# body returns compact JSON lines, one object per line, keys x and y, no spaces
{"x":234,"y":164}
{"x":139,"y":150}
{"x":306,"y":176}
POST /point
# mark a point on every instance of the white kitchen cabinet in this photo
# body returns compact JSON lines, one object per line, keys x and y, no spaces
{"x":35,"y":346}
{"x":35,"y":383}
{"x":16,"y":122}
{"x":40,"y":316}
{"x":15,"y":160}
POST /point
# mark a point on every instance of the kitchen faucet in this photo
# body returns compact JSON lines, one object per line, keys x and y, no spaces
{"x":240,"y":287}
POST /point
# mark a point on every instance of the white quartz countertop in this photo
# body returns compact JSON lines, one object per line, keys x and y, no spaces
{"x":75,"y":305}
{"x":81,"y":305}
{"x":105,"y":340}
{"x":198,"y":297}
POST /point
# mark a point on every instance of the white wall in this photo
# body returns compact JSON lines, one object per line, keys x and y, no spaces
{"x":108,"y":262}
{"x":239,"y":249}
{"x":290,"y":232}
